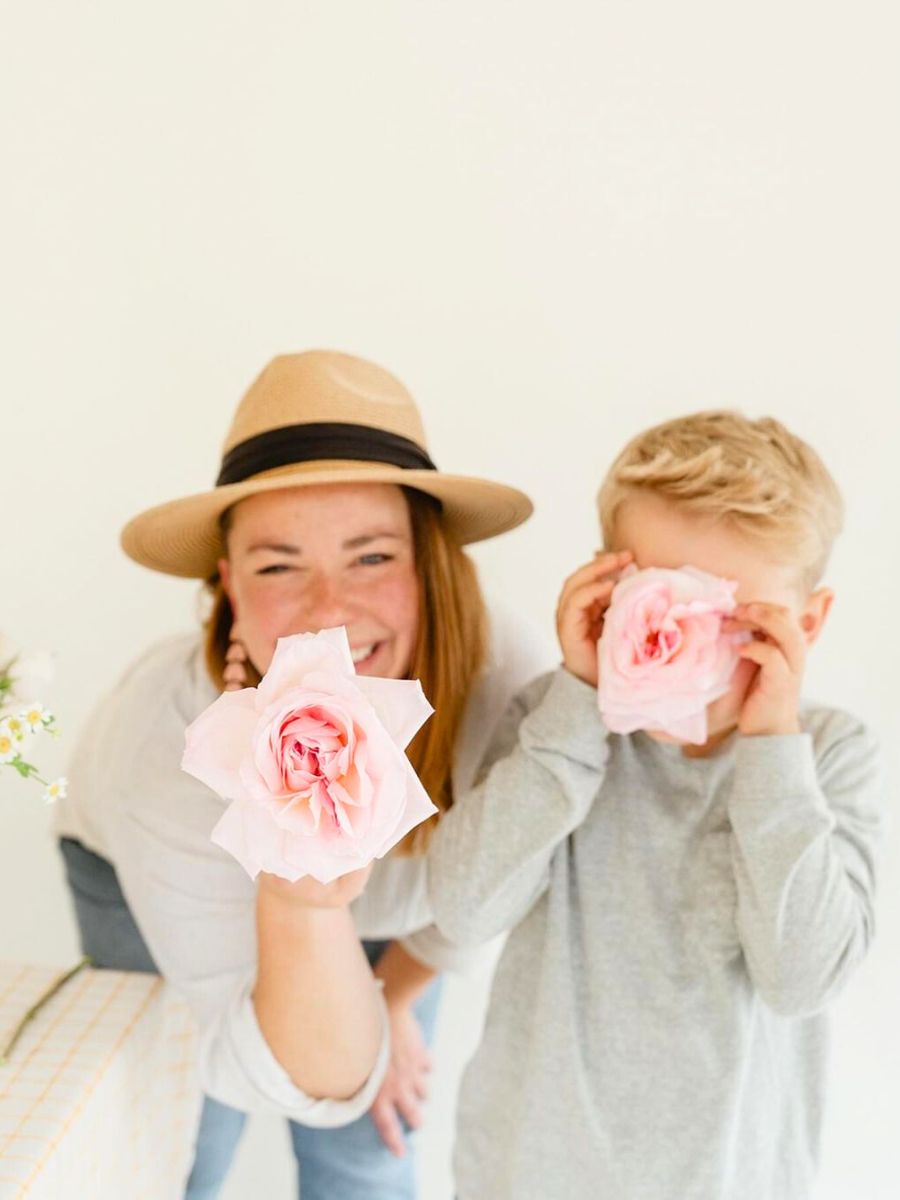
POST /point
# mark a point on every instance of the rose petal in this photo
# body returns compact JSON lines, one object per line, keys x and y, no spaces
{"x":663,"y":656}
{"x":297,"y":656}
{"x":217,"y":740}
{"x":315,"y":765}
{"x":401,"y":705}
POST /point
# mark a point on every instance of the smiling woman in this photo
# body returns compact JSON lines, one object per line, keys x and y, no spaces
{"x":328,"y":511}
{"x":376,"y":558}
{"x":327,"y":555}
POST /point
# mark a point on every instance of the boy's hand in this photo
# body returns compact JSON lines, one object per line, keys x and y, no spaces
{"x":579,"y":615}
{"x":405,"y":1088}
{"x":771,"y":705}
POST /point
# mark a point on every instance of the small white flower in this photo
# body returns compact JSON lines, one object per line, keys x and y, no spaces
{"x":8,"y":745}
{"x":56,"y":790}
{"x":35,"y":716}
{"x":16,"y":727}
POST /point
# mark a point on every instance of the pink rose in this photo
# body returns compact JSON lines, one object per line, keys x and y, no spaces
{"x":312,"y":761}
{"x":663,"y":655}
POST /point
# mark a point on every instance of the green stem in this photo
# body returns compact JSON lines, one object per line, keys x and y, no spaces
{"x":26,"y":770}
{"x":37,"y":1006}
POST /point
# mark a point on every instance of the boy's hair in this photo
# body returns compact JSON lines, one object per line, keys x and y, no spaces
{"x":756,"y":475}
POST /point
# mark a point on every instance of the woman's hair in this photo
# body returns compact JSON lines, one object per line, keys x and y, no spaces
{"x":449,"y":652}
{"x":756,"y":475}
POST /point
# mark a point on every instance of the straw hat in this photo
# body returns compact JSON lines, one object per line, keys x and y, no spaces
{"x":317,"y":417}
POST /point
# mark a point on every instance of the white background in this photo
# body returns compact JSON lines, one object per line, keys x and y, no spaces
{"x":556,"y":223}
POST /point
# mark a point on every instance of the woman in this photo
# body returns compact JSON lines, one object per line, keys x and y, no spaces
{"x":327,"y":511}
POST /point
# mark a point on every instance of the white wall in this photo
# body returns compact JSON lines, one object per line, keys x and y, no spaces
{"x":557,"y":224}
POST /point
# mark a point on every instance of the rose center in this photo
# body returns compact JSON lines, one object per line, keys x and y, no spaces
{"x":660,"y":643}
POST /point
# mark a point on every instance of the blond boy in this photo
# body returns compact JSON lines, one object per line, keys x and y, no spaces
{"x":680,"y":915}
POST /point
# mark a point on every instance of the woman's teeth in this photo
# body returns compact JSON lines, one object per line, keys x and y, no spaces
{"x":362,"y":652}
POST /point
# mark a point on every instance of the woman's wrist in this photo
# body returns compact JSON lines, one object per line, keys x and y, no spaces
{"x":278,"y":910}
{"x":307,"y":893}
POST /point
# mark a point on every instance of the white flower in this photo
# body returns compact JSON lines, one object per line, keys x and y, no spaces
{"x":56,"y":790}
{"x":35,"y":716}
{"x":31,"y":673}
{"x":18,"y":730}
{"x":16,"y":726}
{"x":8,"y":745}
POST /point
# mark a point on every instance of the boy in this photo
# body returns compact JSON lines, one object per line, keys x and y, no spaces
{"x":680,"y":914}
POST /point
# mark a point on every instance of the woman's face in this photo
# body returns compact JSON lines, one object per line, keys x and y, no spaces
{"x":310,"y":558}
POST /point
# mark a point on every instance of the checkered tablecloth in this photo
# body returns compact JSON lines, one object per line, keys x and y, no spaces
{"x":99,"y":1098}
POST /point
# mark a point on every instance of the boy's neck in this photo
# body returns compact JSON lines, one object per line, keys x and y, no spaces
{"x":692,"y":751}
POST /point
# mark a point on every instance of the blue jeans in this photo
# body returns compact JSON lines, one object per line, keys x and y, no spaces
{"x":349,"y":1163}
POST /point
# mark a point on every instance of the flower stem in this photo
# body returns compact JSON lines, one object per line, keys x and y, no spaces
{"x":37,"y":1006}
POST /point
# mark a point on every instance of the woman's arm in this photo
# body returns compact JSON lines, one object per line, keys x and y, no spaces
{"x":315,"y":998}
{"x":296,"y":970}
{"x":267,"y":981}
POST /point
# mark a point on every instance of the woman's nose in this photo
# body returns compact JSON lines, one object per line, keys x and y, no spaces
{"x":324,"y":604}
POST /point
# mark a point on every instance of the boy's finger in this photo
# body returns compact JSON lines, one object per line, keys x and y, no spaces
{"x":732,"y":625}
{"x":410,"y":1110}
{"x":767,"y":655}
{"x":597,"y":568}
{"x":586,"y":574}
{"x":781,"y":626}
{"x":384,"y":1118}
{"x":573,"y":609}
{"x":420,"y":1087}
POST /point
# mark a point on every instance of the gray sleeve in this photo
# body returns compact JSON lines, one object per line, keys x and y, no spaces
{"x":432,"y":948}
{"x":490,"y":856}
{"x":806,"y":818}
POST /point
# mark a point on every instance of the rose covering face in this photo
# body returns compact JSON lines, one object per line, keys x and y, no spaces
{"x":663,"y":654}
{"x":312,"y":761}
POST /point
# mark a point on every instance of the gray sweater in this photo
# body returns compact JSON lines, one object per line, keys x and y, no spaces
{"x":655,"y":1030}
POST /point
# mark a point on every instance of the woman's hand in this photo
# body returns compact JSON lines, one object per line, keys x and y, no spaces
{"x":579,"y":616}
{"x":405,"y":1086}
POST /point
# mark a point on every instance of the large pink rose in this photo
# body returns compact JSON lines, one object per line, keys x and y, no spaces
{"x":663,"y":654}
{"x":312,"y":761}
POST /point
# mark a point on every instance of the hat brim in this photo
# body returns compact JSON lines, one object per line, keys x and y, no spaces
{"x":182,"y":537}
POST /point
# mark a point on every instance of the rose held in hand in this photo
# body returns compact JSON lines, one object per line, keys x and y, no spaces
{"x":663,"y":654}
{"x":312,"y":761}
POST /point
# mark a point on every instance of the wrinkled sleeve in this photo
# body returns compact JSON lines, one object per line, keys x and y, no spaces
{"x":196,"y":912}
{"x":194,"y":905}
{"x":490,"y":858}
{"x":807,"y":817}
{"x":433,"y":948}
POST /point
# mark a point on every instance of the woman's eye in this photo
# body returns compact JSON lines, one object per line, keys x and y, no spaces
{"x":372,"y":560}
{"x":275,"y":569}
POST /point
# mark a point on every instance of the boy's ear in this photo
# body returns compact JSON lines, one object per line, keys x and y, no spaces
{"x":815,"y":611}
